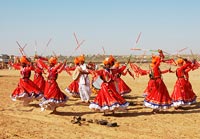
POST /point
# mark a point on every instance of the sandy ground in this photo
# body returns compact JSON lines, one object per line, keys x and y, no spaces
{"x":19,"y":122}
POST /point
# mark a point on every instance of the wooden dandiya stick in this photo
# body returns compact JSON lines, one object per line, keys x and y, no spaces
{"x":104,"y":52}
{"x":54,"y":54}
{"x":21,"y":49}
{"x":129,"y":59}
{"x":49,"y":42}
{"x":46,"y":46}
{"x":182,"y":49}
{"x":35,"y":46}
{"x":137,"y":49}
{"x":136,"y":42}
{"x":78,"y":43}
{"x":193,"y":56}
{"x":138,"y":38}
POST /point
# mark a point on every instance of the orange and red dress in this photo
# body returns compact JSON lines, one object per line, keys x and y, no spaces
{"x":108,"y":99}
{"x":26,"y":90}
{"x":121,"y":86}
{"x":38,"y":78}
{"x":72,"y":88}
{"x":53,"y":96}
{"x":158,"y":96}
{"x":183,"y":93}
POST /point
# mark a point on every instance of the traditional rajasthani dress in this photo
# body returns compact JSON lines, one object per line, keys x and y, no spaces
{"x":84,"y":84}
{"x":158,"y":97}
{"x":53,"y":96}
{"x":26,"y":90}
{"x":121,"y":86}
{"x":38,"y":78}
{"x":183,"y":93}
{"x":108,"y":99}
{"x":149,"y":87}
{"x":72,"y":88}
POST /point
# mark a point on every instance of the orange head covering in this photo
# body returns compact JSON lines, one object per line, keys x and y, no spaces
{"x":106,"y":61}
{"x":81,"y":58}
{"x":53,"y":60}
{"x":76,"y":60}
{"x":111,"y":59}
{"x":23,"y":59}
{"x":155,"y":59}
{"x":180,"y":61}
{"x":116,"y":65}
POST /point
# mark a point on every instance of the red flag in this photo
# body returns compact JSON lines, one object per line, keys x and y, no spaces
{"x":169,"y":61}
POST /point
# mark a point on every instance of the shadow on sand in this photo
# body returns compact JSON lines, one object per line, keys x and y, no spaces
{"x":72,"y":113}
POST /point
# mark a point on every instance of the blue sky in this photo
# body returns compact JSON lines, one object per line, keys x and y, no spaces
{"x":113,"y":24}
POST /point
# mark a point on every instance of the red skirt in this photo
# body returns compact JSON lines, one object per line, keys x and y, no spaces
{"x":158,"y":97}
{"x":108,"y":99}
{"x":53,"y":96}
{"x":26,"y":91}
{"x":39,"y":81}
{"x":72,"y":89}
{"x":183,"y":93}
{"x":148,"y":88}
{"x":122,"y":87}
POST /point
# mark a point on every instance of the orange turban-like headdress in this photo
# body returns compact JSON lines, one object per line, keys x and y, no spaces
{"x":111,"y":59}
{"x":116,"y":65}
{"x":53,"y":60}
{"x":76,"y":60}
{"x":180,"y":61}
{"x":81,"y":58}
{"x":23,"y":59}
{"x":106,"y":61}
{"x":155,"y":59}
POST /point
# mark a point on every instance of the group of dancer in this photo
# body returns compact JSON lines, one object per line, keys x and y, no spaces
{"x":110,"y":94}
{"x":47,"y":91}
{"x":156,"y":94}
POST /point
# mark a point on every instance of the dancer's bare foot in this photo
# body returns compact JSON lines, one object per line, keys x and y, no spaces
{"x":54,"y":111}
{"x":113,"y":112}
{"x":179,"y":108}
{"x":154,"y":111}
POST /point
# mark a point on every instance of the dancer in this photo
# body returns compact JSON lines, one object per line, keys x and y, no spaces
{"x":72,"y":89}
{"x":121,"y":86}
{"x":183,"y":93}
{"x":26,"y":90}
{"x":53,"y":96}
{"x":39,"y":70}
{"x":84,"y":82}
{"x":158,"y":97}
{"x":108,"y":99}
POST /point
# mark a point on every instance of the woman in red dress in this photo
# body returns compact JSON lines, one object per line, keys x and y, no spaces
{"x":158,"y":96}
{"x":108,"y":99}
{"x":38,"y":78}
{"x":183,"y":93}
{"x":53,"y":96}
{"x":121,"y":86}
{"x":72,"y":89}
{"x":27,"y":90}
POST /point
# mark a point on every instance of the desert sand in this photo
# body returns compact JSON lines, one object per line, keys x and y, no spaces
{"x":20,"y":122}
